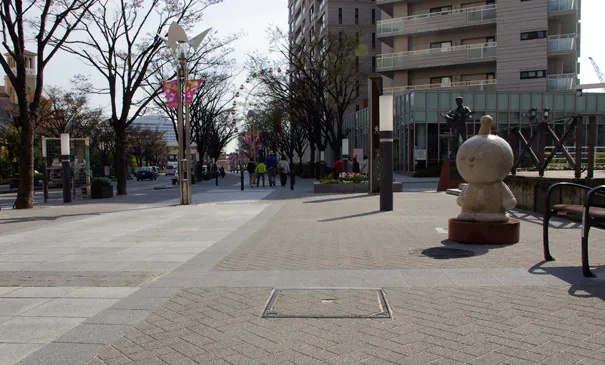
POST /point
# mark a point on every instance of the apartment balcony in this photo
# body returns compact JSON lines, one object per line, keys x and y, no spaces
{"x":436,"y":57}
{"x":562,"y":44}
{"x":562,"y":81}
{"x":432,"y":22}
{"x":474,"y":85}
{"x":562,"y":6}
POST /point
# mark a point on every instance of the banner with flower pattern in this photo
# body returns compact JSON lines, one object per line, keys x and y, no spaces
{"x":192,"y":87}
{"x":171,"y":90}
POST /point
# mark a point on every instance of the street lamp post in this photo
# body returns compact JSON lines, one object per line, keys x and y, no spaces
{"x":345,"y":154}
{"x":386,"y":157}
{"x":178,"y":42}
{"x":44,"y":169}
{"x":66,"y":168}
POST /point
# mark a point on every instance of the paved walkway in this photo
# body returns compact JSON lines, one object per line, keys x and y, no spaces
{"x":188,"y":285}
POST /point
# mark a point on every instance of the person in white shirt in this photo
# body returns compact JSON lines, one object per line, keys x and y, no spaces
{"x":284,"y":169}
{"x":365,"y":166}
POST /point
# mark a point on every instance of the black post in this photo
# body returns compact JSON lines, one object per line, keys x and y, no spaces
{"x":45,"y":178}
{"x":386,"y":171}
{"x":241,"y":168}
{"x":292,"y":181}
{"x":542,"y":148}
{"x":216,"y":178}
{"x":66,"y":180}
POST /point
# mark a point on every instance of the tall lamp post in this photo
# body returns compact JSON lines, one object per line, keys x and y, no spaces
{"x":345,"y":153}
{"x":386,"y":157}
{"x":44,"y":169}
{"x":178,"y":42}
{"x":66,"y":168}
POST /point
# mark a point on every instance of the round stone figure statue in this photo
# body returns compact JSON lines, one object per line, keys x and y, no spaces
{"x":484,"y":161}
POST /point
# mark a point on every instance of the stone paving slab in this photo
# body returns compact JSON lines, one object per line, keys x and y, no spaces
{"x":480,"y":325}
{"x":344,"y":233}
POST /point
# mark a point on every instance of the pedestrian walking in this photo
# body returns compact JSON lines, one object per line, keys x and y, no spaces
{"x":356,"y":168}
{"x":271,"y":163}
{"x":284,"y":170}
{"x":339,"y":166}
{"x":251,"y":171}
{"x":260,"y":173}
{"x":365,"y":166}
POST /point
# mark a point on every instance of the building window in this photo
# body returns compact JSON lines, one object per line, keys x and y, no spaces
{"x":356,"y":16}
{"x":373,"y":40}
{"x":444,"y":81}
{"x":441,"y":9}
{"x":533,"y":35}
{"x":539,"y":74}
{"x":373,"y":64}
{"x":339,"y":15}
{"x":373,"y":16}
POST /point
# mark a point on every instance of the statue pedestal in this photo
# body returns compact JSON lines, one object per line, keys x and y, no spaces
{"x":483,"y":233}
{"x":450,"y":178}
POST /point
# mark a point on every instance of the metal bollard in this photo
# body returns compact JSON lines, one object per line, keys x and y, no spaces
{"x":292,"y":181}
{"x":216,"y":179}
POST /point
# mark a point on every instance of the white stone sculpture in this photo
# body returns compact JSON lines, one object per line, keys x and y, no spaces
{"x":484,"y":161}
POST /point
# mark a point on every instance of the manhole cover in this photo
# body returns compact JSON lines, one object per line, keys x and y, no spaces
{"x":327,"y":303}
{"x":444,"y":253}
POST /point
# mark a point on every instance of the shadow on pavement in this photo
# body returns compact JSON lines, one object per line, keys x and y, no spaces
{"x":351,"y":216}
{"x":56,"y":217}
{"x":581,"y":287}
{"x":536,"y":218}
{"x":337,"y":199}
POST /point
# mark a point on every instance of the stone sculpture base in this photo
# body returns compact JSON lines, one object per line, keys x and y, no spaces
{"x":450,"y":178}
{"x":483,"y":233}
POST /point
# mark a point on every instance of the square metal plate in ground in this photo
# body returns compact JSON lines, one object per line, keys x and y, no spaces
{"x":327,"y":303}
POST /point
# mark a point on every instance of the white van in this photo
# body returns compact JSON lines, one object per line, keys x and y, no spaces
{"x":170,"y":170}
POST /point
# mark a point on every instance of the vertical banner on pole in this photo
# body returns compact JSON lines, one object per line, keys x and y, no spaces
{"x":375,"y":90}
{"x":171,"y":90}
{"x":192,"y":88}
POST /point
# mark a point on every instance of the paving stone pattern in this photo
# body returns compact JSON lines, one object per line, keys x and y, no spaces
{"x":71,"y":278}
{"x":348,"y":232}
{"x":482,"y":325}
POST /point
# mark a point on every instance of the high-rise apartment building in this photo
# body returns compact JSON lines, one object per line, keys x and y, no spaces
{"x":314,"y":18}
{"x":502,"y":45}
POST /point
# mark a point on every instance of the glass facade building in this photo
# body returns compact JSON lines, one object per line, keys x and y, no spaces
{"x":421,"y":134}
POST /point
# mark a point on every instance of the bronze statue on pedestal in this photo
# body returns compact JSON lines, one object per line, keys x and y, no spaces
{"x":456,"y":120}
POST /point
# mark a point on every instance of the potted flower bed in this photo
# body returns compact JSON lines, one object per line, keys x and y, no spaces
{"x":347,"y":183}
{"x":101,"y":188}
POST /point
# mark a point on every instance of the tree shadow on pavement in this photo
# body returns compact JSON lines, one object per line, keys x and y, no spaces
{"x":56,"y":217}
{"x":351,"y":216}
{"x":581,"y":287}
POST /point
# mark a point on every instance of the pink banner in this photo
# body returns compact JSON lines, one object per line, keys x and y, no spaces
{"x":171,"y":90}
{"x":192,"y":88}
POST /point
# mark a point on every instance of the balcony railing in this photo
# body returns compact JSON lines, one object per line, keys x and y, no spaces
{"x":562,"y":42}
{"x":474,"y":84}
{"x":470,"y":15}
{"x":562,"y":81}
{"x":460,"y":53}
{"x":562,"y":5}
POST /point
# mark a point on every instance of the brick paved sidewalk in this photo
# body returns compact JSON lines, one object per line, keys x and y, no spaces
{"x":500,"y":305}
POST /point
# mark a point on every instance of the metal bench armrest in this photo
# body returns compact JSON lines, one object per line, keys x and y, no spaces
{"x":591,"y":194}
{"x":552,"y":188}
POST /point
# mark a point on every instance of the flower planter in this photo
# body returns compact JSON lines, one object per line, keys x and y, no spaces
{"x":101,"y":191}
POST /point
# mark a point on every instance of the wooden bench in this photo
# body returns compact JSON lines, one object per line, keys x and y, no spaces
{"x":590,"y":213}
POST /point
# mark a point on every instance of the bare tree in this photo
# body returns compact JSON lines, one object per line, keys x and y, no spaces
{"x":67,"y":112}
{"x":118,"y":46}
{"x":48,"y":23}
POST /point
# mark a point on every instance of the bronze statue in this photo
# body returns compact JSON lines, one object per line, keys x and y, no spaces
{"x":456,"y":120}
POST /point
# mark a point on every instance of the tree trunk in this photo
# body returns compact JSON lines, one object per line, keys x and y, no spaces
{"x":312,"y":161}
{"x":25,"y":193}
{"x":120,"y":159}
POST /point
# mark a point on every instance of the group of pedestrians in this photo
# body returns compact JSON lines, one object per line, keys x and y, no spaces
{"x":358,"y":168}
{"x":271,"y":167}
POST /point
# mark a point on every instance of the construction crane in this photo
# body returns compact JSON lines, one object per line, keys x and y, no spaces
{"x":598,"y":71}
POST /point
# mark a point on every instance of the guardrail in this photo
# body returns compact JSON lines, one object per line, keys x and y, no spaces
{"x":481,"y":84}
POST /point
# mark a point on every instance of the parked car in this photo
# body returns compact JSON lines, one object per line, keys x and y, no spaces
{"x":170,"y":170}
{"x":145,"y":172}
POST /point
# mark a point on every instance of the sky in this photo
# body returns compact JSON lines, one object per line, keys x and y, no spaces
{"x":253,"y":17}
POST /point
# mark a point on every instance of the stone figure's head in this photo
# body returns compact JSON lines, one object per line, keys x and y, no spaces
{"x":484,"y":158}
{"x":459,"y":100}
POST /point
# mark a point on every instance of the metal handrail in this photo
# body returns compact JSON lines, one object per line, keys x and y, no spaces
{"x":436,"y":50}
{"x":562,"y":76}
{"x":390,"y":90}
{"x":447,"y":12}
